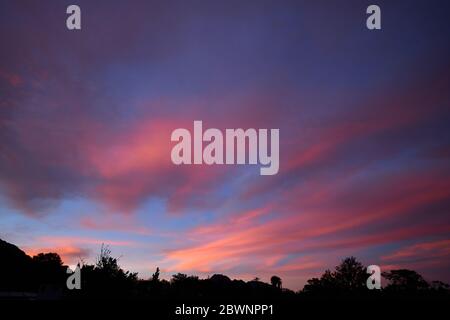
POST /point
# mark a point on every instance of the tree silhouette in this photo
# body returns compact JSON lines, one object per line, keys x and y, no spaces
{"x":48,"y":259}
{"x":155,"y":276}
{"x":276,"y":282}
{"x":106,"y":278}
{"x":179,"y":277}
{"x":405,"y":280}
{"x":349,"y":276}
{"x":439,"y":286}
{"x":49,"y":269}
{"x":45,"y":275}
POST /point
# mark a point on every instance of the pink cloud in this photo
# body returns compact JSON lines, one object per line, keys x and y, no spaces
{"x":298,"y":224}
{"x":69,"y":255}
{"x":62,"y":241}
{"x":431,"y":250}
{"x":72,"y":249}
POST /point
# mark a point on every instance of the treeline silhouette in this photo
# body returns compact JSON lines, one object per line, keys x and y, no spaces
{"x":44,"y":276}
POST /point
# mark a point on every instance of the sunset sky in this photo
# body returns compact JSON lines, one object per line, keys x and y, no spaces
{"x":364,"y":118}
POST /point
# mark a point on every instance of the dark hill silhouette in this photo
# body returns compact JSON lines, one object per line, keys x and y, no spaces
{"x":15,"y":268}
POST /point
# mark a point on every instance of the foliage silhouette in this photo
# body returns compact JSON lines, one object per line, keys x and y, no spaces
{"x":44,"y":276}
{"x":349,"y":277}
{"x":276,"y":282}
{"x":155,"y":276}
{"x":106,"y":278}
{"x":404,"y":280}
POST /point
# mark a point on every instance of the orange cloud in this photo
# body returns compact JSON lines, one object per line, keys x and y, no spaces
{"x":69,"y":254}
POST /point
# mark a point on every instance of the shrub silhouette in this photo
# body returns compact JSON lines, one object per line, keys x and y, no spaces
{"x":106,"y":278}
{"x":439,"y":286}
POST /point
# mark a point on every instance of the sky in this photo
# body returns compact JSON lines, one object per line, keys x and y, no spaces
{"x":86,"y":118}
